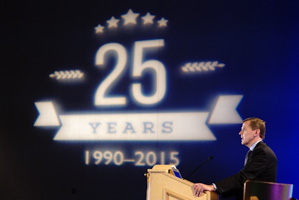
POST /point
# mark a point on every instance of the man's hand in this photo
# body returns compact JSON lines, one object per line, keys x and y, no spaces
{"x":199,"y":188}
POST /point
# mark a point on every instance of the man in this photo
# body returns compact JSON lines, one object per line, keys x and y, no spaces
{"x":260,"y":165}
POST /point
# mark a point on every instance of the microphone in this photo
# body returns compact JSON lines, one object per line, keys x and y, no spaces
{"x":210,"y":158}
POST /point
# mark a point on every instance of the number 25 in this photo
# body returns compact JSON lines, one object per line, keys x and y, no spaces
{"x":139,"y":66}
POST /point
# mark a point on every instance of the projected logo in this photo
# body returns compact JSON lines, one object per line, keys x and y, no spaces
{"x":147,"y":88}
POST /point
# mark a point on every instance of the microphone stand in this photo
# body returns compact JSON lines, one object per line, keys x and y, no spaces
{"x":210,"y":158}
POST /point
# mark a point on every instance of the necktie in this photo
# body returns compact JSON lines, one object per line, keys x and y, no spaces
{"x":247,"y":156}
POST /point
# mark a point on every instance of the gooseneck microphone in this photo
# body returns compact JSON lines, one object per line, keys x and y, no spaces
{"x":210,"y":158}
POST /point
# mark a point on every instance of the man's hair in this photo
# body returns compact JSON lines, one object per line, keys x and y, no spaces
{"x":256,"y":123}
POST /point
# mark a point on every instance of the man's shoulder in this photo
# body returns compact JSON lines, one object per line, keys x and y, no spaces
{"x":263,"y":147}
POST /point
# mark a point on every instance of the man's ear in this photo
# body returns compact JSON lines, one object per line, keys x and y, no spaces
{"x":257,"y":132}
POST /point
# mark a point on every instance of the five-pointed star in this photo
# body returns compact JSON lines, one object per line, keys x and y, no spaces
{"x":148,"y":18}
{"x":99,"y":28}
{"x":130,"y":17}
{"x":162,"y":22}
{"x":112,"y":22}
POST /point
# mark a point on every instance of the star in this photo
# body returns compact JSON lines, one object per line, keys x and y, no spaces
{"x":162,"y":22}
{"x":99,"y":28}
{"x":112,"y":22}
{"x":148,"y":18}
{"x":130,"y":17}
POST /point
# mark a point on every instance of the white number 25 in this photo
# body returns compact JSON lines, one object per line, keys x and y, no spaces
{"x":156,"y":69}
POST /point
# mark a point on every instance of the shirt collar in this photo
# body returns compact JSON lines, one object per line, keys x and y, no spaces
{"x":253,"y":146}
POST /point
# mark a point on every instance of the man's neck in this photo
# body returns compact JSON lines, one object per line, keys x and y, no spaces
{"x":254,"y":143}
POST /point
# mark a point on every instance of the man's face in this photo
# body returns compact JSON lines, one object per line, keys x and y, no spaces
{"x":247,"y":134}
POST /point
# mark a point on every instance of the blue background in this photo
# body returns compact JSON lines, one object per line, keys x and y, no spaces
{"x":256,"y":40}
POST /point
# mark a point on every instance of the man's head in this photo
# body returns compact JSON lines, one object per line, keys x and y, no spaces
{"x":253,"y":129}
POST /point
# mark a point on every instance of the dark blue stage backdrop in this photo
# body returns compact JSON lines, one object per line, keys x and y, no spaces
{"x":94,"y":93}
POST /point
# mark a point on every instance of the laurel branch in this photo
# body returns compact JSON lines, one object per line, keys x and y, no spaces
{"x":67,"y":75}
{"x":201,"y":66}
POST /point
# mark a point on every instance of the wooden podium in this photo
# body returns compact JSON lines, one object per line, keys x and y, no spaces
{"x":162,"y":184}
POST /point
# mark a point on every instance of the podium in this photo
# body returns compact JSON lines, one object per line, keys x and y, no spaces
{"x":162,"y":184}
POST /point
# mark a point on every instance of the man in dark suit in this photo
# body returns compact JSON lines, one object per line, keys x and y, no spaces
{"x":260,"y":162}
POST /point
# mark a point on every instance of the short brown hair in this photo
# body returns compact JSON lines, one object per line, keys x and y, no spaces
{"x":256,"y":123}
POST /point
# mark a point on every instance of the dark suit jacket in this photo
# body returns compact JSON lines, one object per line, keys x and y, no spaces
{"x":261,"y":166}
